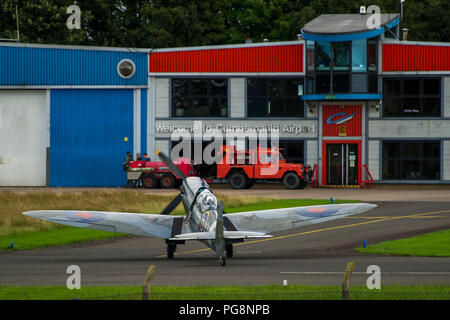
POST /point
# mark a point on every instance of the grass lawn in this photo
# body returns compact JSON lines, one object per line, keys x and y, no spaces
{"x":268,"y":292}
{"x":435,"y":244}
{"x":27,"y":233}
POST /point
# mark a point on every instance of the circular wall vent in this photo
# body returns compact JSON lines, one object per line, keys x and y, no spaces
{"x":126,"y":68}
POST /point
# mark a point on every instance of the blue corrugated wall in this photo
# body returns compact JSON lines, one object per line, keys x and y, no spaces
{"x":31,"y":66}
{"x":87,"y":137}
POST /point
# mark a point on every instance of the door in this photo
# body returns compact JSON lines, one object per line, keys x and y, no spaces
{"x":23,"y":137}
{"x":91,"y":131}
{"x":342,"y":164}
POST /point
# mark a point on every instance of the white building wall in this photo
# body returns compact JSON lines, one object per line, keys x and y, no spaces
{"x":446,"y":160}
{"x":237,"y":97}
{"x":162,"y":145}
{"x":311,"y":152}
{"x":409,"y":128}
{"x":162,"y":98}
{"x":298,"y":129}
{"x":374,"y":159}
{"x":446,"y":97}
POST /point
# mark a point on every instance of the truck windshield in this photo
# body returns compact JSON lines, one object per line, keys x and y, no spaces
{"x":270,"y":157}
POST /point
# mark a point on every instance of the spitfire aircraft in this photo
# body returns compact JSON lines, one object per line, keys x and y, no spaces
{"x":204,"y":218}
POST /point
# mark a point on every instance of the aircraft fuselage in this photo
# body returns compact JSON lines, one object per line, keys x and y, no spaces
{"x":200,"y":205}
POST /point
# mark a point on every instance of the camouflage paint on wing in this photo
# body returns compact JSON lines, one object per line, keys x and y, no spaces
{"x":151,"y":225}
{"x":289,"y":218}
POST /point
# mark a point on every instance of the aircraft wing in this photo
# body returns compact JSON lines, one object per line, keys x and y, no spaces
{"x":151,"y":225}
{"x":227,"y":235}
{"x":288,"y":218}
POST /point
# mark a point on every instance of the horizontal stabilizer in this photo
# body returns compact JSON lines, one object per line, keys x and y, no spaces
{"x":228,"y":235}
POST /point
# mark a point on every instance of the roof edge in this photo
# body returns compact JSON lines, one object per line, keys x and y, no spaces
{"x":72,"y":47}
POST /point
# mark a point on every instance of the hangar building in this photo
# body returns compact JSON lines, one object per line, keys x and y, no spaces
{"x":67,"y":117}
{"x":346,"y":98}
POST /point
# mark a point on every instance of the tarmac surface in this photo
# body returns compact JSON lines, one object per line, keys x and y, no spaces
{"x":313,"y":255}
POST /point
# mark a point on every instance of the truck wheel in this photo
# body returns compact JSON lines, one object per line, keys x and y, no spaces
{"x":291,"y":180}
{"x":150,"y":181}
{"x":238,"y":180}
{"x":167,"y":180}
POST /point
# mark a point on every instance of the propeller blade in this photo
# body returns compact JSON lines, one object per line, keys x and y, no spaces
{"x":172,"y":166}
{"x":173,"y":204}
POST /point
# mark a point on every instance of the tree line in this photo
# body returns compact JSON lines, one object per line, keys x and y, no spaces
{"x":175,"y":23}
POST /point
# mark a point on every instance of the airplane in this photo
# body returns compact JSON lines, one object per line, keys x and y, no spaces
{"x":204,"y":218}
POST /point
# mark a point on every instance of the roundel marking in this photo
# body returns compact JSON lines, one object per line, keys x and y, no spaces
{"x":87,"y":217}
{"x":317,"y":212}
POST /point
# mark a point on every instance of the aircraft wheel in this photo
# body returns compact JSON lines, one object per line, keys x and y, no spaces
{"x":229,"y":250}
{"x":222,"y":261}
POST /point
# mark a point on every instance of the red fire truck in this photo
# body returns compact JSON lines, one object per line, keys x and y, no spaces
{"x":154,"y":174}
{"x":243,"y":168}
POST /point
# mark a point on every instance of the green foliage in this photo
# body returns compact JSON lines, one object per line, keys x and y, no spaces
{"x":265,"y":292}
{"x":435,"y":244}
{"x":174,"y":23}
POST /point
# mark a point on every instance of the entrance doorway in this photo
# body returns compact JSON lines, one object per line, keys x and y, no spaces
{"x":342,"y":163}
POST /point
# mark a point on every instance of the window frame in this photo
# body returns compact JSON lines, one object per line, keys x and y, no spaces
{"x":370,"y":73}
{"x":402,"y":96}
{"x":285,"y":97}
{"x":190,"y":97}
{"x":402,"y":158}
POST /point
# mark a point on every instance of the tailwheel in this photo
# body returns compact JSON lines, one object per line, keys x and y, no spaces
{"x":171,"y":247}
{"x":229,"y":250}
{"x":222,"y":261}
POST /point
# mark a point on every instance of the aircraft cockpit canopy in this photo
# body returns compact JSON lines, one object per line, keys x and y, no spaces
{"x":207,"y":201}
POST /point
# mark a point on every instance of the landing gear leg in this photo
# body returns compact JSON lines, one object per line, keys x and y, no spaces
{"x":171,"y":247}
{"x":222,"y":261}
{"x":229,"y":250}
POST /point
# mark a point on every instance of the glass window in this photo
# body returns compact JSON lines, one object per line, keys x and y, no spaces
{"x":323,"y":55}
{"x":392,"y":106}
{"x":431,"y":107}
{"x":292,"y":150}
{"x":199,"y":97}
{"x":359,"y":55}
{"x":431,"y":86}
{"x":372,"y":55}
{"x":412,"y":87}
{"x":391,"y":86}
{"x":373,"y":82}
{"x":411,"y":97}
{"x":310,"y":56}
{"x":323,"y":83}
{"x":411,"y":160}
{"x":341,"y":83}
{"x":274,"y":97}
{"x":341,"y":56}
